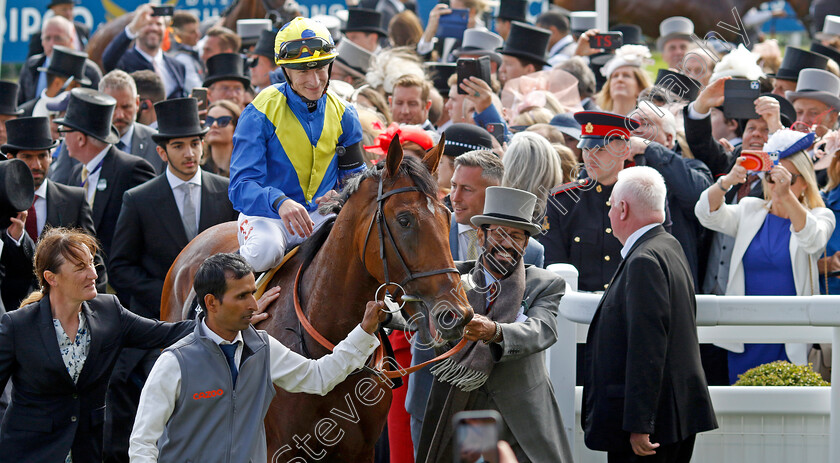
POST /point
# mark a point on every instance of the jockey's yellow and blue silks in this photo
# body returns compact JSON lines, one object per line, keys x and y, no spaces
{"x":281,"y":150}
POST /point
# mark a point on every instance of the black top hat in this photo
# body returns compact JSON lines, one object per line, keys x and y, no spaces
{"x":8,"y":99}
{"x":90,"y":112}
{"x":679,"y":84}
{"x":527,"y":42}
{"x":461,"y":138}
{"x":28,"y":133}
{"x":363,"y":20}
{"x":265,"y":45}
{"x":178,"y":118}
{"x":440,"y":73}
{"x":600,"y":128}
{"x":17,"y":189}
{"x":225,"y":66}
{"x":797,"y":59}
{"x":513,"y":10}
{"x":829,"y":52}
{"x":631,"y":33}
{"x":66,"y":62}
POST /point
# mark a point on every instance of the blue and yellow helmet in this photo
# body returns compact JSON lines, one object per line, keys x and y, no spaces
{"x":304,"y":44}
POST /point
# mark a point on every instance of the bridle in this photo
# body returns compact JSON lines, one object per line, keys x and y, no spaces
{"x":384,"y":230}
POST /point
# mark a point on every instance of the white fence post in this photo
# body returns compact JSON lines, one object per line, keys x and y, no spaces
{"x":834,"y":440}
{"x":562,"y":356}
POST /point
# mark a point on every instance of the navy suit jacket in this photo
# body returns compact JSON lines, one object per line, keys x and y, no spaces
{"x":50,"y":414}
{"x":119,"y":55}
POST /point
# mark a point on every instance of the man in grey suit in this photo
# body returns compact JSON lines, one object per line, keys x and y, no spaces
{"x":515,"y":320}
{"x":135,"y":138}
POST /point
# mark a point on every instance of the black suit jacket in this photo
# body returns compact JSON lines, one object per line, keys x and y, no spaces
{"x":151,"y":235}
{"x":29,"y":74}
{"x":49,"y":414}
{"x":118,"y":55}
{"x":35,"y":46}
{"x":66,"y":207}
{"x":642,"y":361}
{"x":121,"y":172}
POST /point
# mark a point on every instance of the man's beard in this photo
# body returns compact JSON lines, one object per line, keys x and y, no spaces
{"x":501,"y":260}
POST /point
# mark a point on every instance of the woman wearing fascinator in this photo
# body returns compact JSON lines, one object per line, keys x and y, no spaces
{"x":778,"y":239}
{"x":625,"y":79}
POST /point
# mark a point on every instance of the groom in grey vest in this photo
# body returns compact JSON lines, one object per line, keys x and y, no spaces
{"x":208,"y":394}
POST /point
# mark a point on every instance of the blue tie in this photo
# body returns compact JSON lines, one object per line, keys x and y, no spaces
{"x":230,"y":351}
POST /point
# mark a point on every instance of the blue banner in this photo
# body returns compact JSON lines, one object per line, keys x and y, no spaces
{"x":23,"y":18}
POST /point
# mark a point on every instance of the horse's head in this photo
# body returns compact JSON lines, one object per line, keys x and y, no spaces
{"x":403,"y":238}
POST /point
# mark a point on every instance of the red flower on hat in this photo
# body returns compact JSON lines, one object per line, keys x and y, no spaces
{"x":406,"y":133}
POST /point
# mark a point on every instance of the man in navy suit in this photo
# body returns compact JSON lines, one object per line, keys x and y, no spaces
{"x":147,"y":31}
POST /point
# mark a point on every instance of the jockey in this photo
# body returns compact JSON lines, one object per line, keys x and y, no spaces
{"x":292,"y":146}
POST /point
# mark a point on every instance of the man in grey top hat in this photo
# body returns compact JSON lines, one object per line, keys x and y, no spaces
{"x":674,"y":39}
{"x":352,"y":63}
{"x":816,"y":100}
{"x":515,"y":321}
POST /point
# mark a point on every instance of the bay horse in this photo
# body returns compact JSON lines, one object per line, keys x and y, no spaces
{"x":390,"y":227}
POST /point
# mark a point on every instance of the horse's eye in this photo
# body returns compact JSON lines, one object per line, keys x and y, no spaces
{"x":404,"y":221}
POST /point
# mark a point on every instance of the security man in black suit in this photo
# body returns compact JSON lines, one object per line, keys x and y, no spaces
{"x":645,"y":395}
{"x":55,"y":205}
{"x":156,"y":222}
{"x":104,"y":172}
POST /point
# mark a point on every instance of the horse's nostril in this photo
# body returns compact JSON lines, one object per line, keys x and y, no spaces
{"x":448,"y":319}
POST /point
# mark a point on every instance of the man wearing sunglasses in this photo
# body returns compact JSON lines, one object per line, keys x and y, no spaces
{"x":292,"y":147}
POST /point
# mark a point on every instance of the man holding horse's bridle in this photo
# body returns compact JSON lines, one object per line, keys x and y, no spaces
{"x":293,"y":145}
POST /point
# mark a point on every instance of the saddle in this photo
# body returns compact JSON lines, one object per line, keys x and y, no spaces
{"x":265,"y":278}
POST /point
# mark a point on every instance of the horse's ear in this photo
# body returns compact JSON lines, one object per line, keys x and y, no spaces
{"x":432,"y":158}
{"x":394,"y":158}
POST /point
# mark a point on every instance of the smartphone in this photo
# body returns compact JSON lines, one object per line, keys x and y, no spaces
{"x":757,"y":161}
{"x":739,"y":97}
{"x":469,"y":67}
{"x":453,"y":24}
{"x":608,"y":41}
{"x":477,"y":436}
{"x":498,"y":131}
{"x":168,"y":10}
{"x":200,"y":94}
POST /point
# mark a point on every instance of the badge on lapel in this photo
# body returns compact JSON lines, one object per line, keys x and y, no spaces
{"x":101,"y":185}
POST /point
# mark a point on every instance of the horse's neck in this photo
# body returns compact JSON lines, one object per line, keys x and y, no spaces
{"x":336,"y":287}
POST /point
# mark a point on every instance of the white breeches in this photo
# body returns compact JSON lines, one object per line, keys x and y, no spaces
{"x":263,"y":241}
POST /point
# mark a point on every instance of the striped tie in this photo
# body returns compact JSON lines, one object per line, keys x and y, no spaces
{"x":85,"y":185}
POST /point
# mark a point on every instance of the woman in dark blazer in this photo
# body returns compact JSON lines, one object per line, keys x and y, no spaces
{"x":58,"y":402}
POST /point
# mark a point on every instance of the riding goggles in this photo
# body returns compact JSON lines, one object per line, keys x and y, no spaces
{"x":293,"y":49}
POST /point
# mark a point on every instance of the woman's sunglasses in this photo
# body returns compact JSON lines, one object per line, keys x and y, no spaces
{"x":294,"y":48}
{"x":222,"y":122}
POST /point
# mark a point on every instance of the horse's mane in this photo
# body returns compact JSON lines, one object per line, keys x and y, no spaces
{"x":409,"y":167}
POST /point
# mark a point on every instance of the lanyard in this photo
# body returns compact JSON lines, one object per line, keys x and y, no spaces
{"x":95,"y":170}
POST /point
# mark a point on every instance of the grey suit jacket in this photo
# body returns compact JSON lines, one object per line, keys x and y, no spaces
{"x":142,"y":145}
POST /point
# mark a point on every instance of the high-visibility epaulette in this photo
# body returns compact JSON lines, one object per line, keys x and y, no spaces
{"x":584,"y":182}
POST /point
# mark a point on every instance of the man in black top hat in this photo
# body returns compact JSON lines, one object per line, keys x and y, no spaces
{"x":55,"y":205}
{"x":147,"y":33}
{"x":64,"y":9}
{"x":157,"y":220}
{"x":561,"y":44}
{"x":524,"y":51}
{"x":8,"y":106}
{"x":64,"y":73}
{"x":364,"y":28}
{"x":794,"y":61}
{"x":226,"y":79}
{"x":55,"y":31}
{"x":261,"y":61}
{"x":104,"y":171}
{"x":509,"y":11}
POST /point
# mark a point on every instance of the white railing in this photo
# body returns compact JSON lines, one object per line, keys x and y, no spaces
{"x":720,"y":319}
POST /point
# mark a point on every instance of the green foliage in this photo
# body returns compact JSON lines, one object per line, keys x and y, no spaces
{"x":781,"y":373}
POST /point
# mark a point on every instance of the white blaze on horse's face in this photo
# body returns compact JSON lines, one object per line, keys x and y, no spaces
{"x":430,"y":204}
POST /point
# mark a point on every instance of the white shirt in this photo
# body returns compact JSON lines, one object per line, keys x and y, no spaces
{"x":40,"y":212}
{"x":92,"y":184}
{"x":175,"y":182}
{"x":556,"y":54}
{"x":40,"y":108}
{"x":169,"y":82}
{"x":464,"y":241}
{"x":631,"y":240}
{"x":289,"y":371}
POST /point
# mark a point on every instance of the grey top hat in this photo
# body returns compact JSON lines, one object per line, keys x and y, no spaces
{"x":675,"y":27}
{"x":481,"y":43}
{"x":831,"y":27}
{"x":508,"y":207}
{"x":249,"y":29}
{"x":819,"y":85}
{"x":582,"y":21}
{"x":90,"y":112}
{"x":354,"y":57}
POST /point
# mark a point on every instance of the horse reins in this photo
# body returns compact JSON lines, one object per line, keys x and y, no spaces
{"x":384,"y":230}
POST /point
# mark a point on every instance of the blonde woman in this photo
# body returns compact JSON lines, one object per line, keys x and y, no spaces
{"x":625,"y":79}
{"x":778,"y":239}
{"x":532,"y":164}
